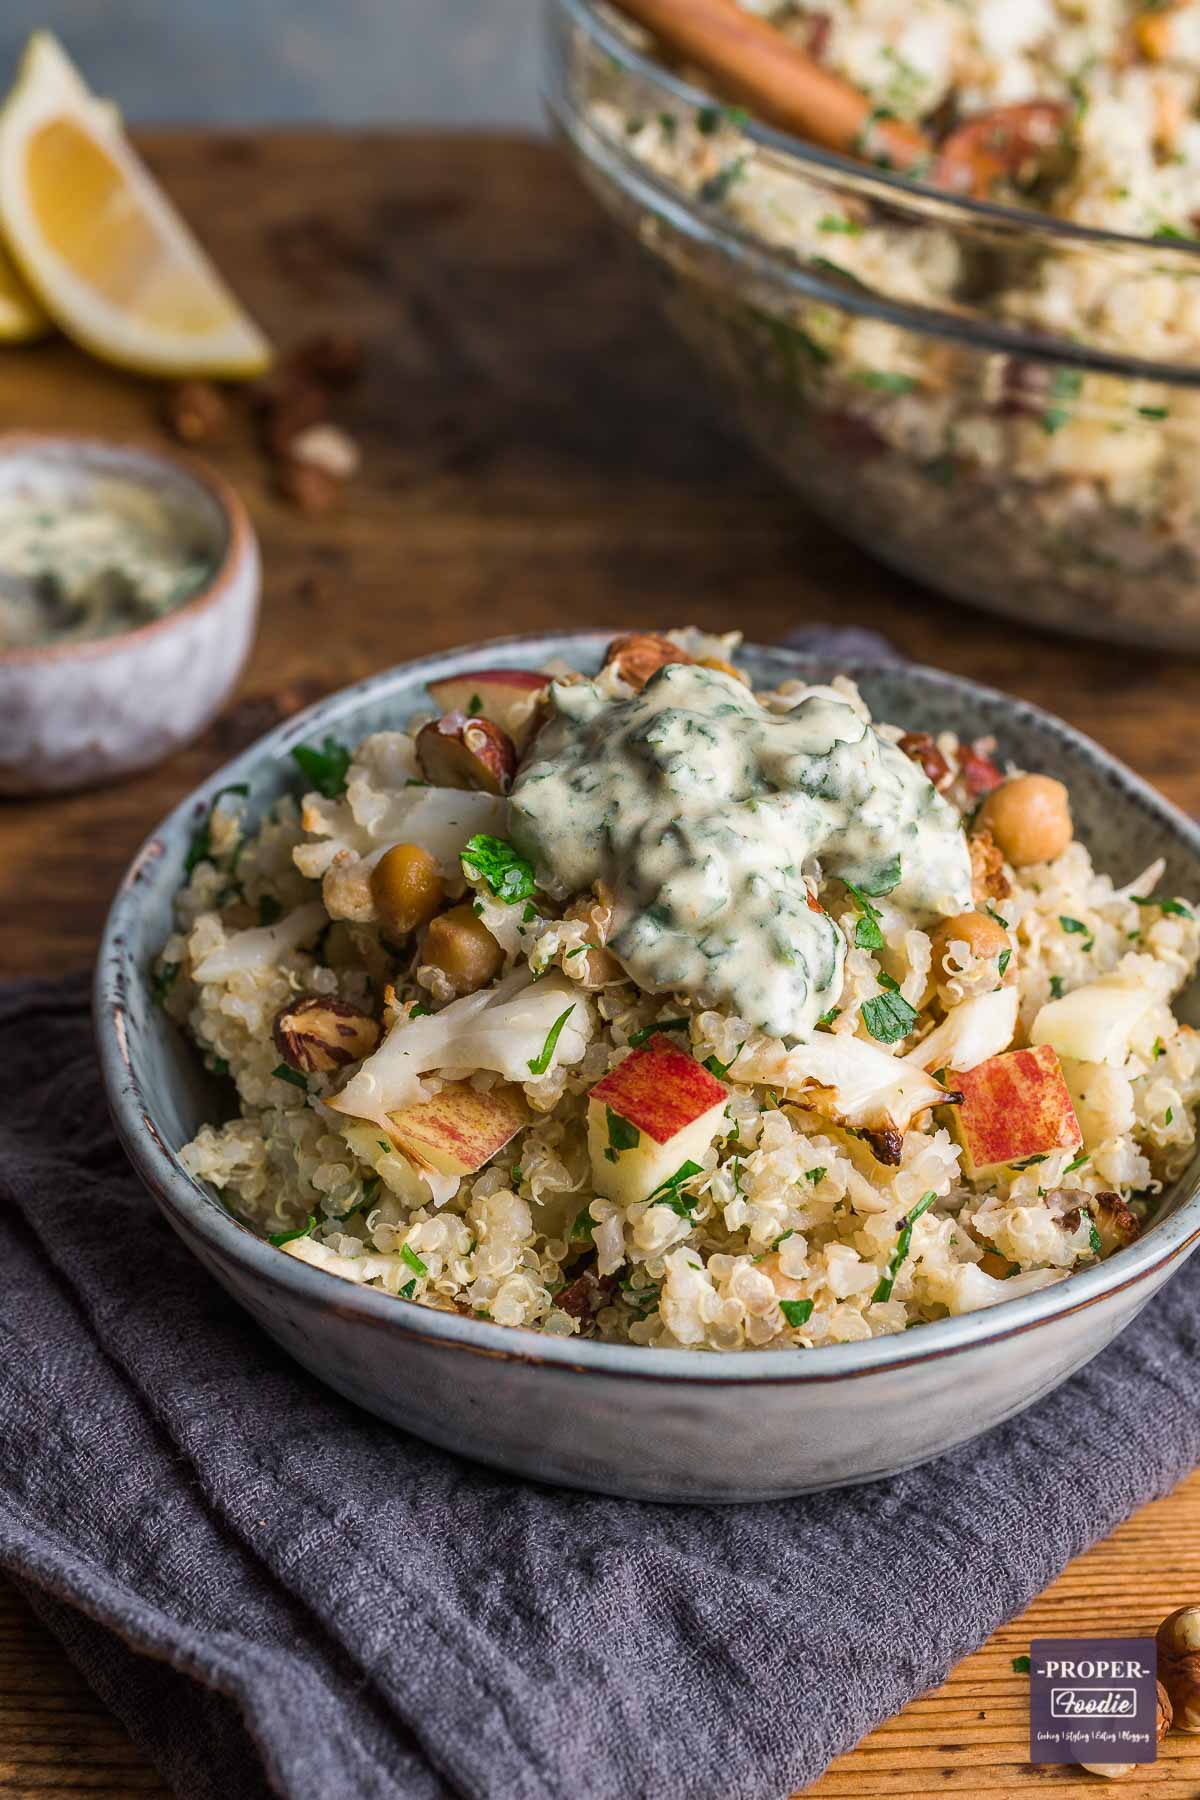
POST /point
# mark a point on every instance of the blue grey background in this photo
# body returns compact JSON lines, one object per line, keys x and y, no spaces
{"x":460,"y":62}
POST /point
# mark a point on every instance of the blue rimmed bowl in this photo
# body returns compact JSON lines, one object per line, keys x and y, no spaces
{"x":645,"y":1424}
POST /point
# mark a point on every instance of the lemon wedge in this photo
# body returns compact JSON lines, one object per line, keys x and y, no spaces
{"x":21,"y":318}
{"x":98,"y":242}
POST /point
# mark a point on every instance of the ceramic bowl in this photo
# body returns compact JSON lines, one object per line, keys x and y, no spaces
{"x":651,"y":1424}
{"x":76,"y":714}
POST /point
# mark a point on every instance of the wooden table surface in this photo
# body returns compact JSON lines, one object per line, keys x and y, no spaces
{"x":536,"y":453}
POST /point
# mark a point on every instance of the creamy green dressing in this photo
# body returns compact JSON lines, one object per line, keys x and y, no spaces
{"x":711,"y":820}
{"x":92,"y":564}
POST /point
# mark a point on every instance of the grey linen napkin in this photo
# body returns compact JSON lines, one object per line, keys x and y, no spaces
{"x":280,"y":1596}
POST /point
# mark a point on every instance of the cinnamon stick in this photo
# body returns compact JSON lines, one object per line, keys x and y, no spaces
{"x":756,"y":63}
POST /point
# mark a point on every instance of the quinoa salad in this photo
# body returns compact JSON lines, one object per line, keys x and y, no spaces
{"x":1066,"y":492}
{"x":648,"y":1008}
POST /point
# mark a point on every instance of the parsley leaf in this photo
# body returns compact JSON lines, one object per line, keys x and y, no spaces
{"x":796,"y":1312}
{"x":884,"y":1290}
{"x":1020,"y":1665}
{"x":716,"y":1067}
{"x":648,"y":1031}
{"x":412,"y":1261}
{"x":888,"y":1018}
{"x":621,"y":1134}
{"x":814,"y":1175}
{"x":1056,"y":987}
{"x":200,"y":848}
{"x":827,"y":1018}
{"x":885,"y":381}
{"x":1002,"y":963}
{"x":1029,"y":1161}
{"x":537,"y":1065}
{"x":507,"y":873}
{"x":326,"y":768}
{"x":1076,"y":1162}
{"x":408,"y":1290}
{"x":286,"y":1237}
{"x":1175,"y":907}
{"x":283,"y":1073}
{"x":1094,"y":1243}
{"x":1073,"y":925}
{"x":667,"y":1192}
{"x":162,"y":981}
{"x":888,"y":982}
{"x":584,"y":1225}
{"x":1064,"y":386}
{"x":867,"y":935}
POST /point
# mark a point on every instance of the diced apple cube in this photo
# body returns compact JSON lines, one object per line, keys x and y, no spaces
{"x":510,"y":698}
{"x":654,"y":1112}
{"x":1014,"y":1106}
{"x":1094,"y":1023}
{"x":462,"y":1127}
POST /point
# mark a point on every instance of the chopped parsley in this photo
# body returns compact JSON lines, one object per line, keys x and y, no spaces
{"x":537,"y":1065}
{"x":1171,"y":907}
{"x":1094,"y":1243}
{"x":326,"y":768}
{"x":1169,"y":1115}
{"x":279,"y":1238}
{"x":903,"y":1242}
{"x":648,"y":1031}
{"x":1076,"y":1162}
{"x":709,"y":118}
{"x":716,"y":1067}
{"x":162,"y":981}
{"x":885,"y":381}
{"x":283,"y":1073}
{"x":667,"y":1192}
{"x":1159,"y":1049}
{"x":200,"y":848}
{"x":507,"y":873}
{"x":814,"y":1175}
{"x":827,"y":1018}
{"x":1020,"y":1665}
{"x":412,"y":1261}
{"x":1153,"y":412}
{"x":867,"y":935}
{"x":1003,"y":962}
{"x":888,"y":982}
{"x":796,"y":1312}
{"x":584,"y":1225}
{"x":1064,"y":386}
{"x":1029,"y":1161}
{"x":717,"y":187}
{"x":1073,"y":925}
{"x":621,"y":1134}
{"x":888,"y":1017}
{"x":408,"y":1290}
{"x":832,"y":222}
{"x":1056,"y":987}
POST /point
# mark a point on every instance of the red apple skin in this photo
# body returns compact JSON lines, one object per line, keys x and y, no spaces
{"x":458,"y":752}
{"x":505,"y":696}
{"x":659,"y":1089}
{"x":1014,"y":1105}
{"x":462,"y":1127}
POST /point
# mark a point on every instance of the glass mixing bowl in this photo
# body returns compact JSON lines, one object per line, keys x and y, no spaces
{"x":1001,"y":404}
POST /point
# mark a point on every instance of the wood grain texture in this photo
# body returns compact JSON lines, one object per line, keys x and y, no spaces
{"x":537,"y":453}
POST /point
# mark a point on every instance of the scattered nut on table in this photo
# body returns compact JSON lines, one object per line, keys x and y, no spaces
{"x":195,"y":411}
{"x":317,"y":1035}
{"x":1178,"y":1640}
{"x":326,"y":447}
{"x":1112,"y":1771}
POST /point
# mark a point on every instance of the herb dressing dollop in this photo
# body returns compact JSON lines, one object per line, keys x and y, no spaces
{"x":703,"y":813}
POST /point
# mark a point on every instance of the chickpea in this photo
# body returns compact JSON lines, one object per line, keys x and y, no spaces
{"x":984,"y":936}
{"x":406,"y":887}
{"x":463,"y":948}
{"x":1030,"y":819}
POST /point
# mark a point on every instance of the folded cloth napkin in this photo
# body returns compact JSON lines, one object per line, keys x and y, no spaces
{"x":278,"y":1595}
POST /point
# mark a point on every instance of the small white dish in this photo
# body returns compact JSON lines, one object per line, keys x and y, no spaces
{"x":75,"y":713}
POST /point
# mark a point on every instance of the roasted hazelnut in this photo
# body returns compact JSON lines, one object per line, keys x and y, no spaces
{"x":1116,"y":1224}
{"x":406,"y":887}
{"x":1178,"y":1640}
{"x":196,"y":411}
{"x":1164,"y":1716}
{"x":458,"y":752}
{"x":988,"y":880}
{"x":1112,"y":1771}
{"x":316,"y":1034}
{"x":640,"y":654}
{"x":463,"y":948}
{"x":919,"y":747}
{"x":328,"y":448}
{"x":311,"y":489}
{"x":1030,"y":819}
